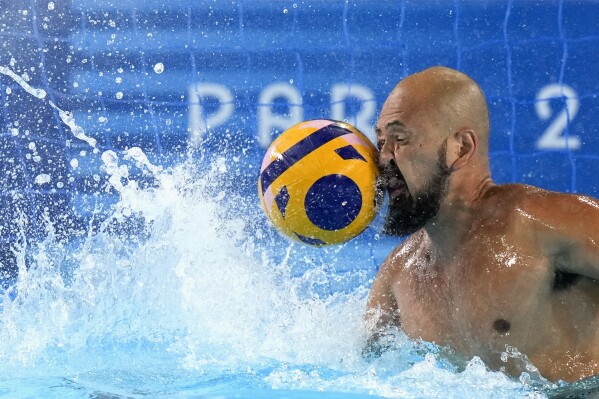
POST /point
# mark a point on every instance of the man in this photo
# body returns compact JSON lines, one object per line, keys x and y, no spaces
{"x":488,"y":270}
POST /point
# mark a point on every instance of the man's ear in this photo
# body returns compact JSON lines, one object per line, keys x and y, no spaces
{"x":462,"y":148}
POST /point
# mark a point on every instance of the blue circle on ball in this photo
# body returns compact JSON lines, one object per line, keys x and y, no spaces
{"x":333,"y":202}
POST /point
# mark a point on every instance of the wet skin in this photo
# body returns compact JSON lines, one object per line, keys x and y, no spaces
{"x":496,"y":266}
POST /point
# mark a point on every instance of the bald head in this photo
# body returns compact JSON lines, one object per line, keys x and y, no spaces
{"x":432,"y":135}
{"x":449,"y":99}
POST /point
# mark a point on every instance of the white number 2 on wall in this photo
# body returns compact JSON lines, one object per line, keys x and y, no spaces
{"x":554,"y":138}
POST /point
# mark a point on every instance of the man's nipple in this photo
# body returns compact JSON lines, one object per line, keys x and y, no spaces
{"x":501,"y":326}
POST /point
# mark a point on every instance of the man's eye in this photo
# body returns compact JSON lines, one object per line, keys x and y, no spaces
{"x":380,"y":144}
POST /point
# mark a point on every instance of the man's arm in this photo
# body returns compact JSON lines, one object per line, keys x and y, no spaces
{"x":381,"y":308}
{"x":567,"y":227}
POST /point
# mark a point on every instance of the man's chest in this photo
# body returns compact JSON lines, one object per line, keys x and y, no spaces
{"x":485,"y":296}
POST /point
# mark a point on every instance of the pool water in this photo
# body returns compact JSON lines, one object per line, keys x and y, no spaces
{"x":203,"y":301}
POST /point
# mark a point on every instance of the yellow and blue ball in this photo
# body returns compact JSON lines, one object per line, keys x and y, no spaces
{"x":317,"y":183}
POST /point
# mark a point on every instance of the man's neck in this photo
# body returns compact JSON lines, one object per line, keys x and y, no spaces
{"x":457,"y":213}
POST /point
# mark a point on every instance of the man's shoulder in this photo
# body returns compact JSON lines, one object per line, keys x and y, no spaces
{"x":529,"y":203}
{"x":514,"y":192}
{"x":406,"y":249}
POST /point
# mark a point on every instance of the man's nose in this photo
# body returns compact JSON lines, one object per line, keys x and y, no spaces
{"x":386,"y":156}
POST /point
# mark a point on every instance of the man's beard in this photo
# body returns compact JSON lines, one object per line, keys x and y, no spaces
{"x":407,"y":214}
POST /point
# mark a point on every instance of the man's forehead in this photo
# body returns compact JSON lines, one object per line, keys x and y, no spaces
{"x":392,"y":114}
{"x":395,"y":96}
{"x":401,"y":106}
{"x":397,"y":101}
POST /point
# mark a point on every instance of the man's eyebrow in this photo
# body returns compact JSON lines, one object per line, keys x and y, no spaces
{"x":395,"y":123}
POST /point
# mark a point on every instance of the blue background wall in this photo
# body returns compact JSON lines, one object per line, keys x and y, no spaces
{"x":100,"y":60}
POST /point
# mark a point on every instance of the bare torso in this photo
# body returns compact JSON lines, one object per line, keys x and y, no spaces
{"x":501,"y":290}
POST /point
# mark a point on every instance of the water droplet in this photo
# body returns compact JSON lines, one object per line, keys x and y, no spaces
{"x":51,"y":6}
{"x":60,"y":184}
{"x":291,"y":81}
{"x":75,"y":84}
{"x":169,"y":122}
{"x":119,"y":79}
{"x":119,"y":95}
{"x":74,"y":163}
{"x":159,"y":68}
{"x":8,"y":90}
{"x":285,"y":10}
{"x":102,"y":119}
{"x":294,"y":5}
{"x":31,"y":146}
{"x":42,"y":179}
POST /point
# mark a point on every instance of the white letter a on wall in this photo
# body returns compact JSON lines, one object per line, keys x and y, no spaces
{"x":268,"y":120}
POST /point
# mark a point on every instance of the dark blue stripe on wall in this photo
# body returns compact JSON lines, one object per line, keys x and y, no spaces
{"x":298,"y":151}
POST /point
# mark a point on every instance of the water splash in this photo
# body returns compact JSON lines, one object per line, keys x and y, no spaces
{"x":193,"y":292}
{"x":190,"y":273}
{"x":37,"y":93}
{"x":66,"y":117}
